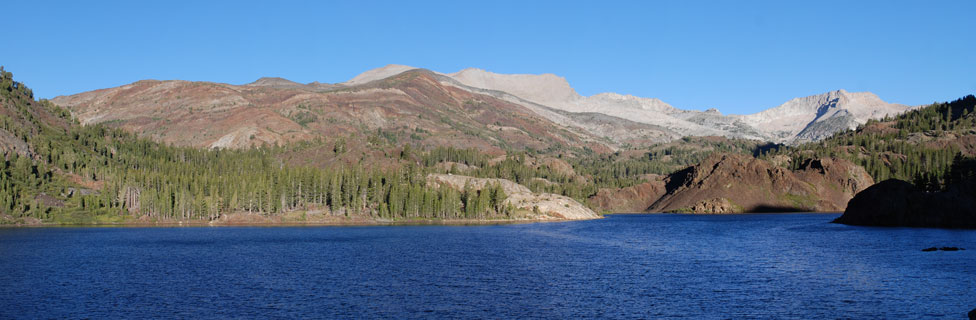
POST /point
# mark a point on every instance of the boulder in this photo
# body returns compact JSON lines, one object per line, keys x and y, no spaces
{"x":718,"y":205}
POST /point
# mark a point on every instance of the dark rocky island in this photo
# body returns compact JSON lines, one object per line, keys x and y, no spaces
{"x":897,"y":203}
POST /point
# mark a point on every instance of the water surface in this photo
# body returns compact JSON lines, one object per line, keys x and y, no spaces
{"x":624,"y":266}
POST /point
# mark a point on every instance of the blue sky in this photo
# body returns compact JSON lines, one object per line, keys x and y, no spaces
{"x":737,"y":56}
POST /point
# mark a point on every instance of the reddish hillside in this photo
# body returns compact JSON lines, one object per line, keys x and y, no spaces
{"x":733,"y":183}
{"x":727,"y":183}
{"x":412,"y":107}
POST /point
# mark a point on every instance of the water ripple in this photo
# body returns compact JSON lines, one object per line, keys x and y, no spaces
{"x":643,"y":266}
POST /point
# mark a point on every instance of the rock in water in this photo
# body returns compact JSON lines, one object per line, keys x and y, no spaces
{"x":896,"y":203}
{"x":943,"y":249}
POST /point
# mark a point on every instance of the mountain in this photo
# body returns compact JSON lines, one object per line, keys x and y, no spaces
{"x":348,"y":150}
{"x":545,"y":89}
{"x":819,"y":116}
{"x":919,"y":146}
{"x":377,"y":74}
{"x":551,"y":91}
{"x":796,"y":121}
{"x":57,"y":171}
{"x":539,"y":112}
{"x":411,"y":106}
{"x":925,"y":160}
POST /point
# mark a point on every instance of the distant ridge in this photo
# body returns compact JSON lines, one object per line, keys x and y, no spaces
{"x":799,"y":120}
{"x":378,"y":74}
{"x":624,"y":119}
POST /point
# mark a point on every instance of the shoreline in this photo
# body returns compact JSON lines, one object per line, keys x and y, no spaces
{"x":351,"y":223}
{"x":355,"y":222}
{"x":724,"y":214}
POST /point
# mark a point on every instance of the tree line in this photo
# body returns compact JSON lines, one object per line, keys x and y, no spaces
{"x":69,"y":172}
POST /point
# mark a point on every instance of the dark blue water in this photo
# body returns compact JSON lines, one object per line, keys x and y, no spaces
{"x":646,"y":266}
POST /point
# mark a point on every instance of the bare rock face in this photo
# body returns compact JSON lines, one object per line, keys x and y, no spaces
{"x":837,"y":181}
{"x":10,"y":143}
{"x":378,"y":74}
{"x":715,"y":206}
{"x":896,"y":203}
{"x":544,"y":206}
{"x":454,"y":167}
{"x":799,"y":120}
{"x":631,"y":199}
{"x":545,"y":89}
{"x":559,"y":166}
{"x":459,"y":182}
{"x":815,"y":117}
{"x":732,"y":183}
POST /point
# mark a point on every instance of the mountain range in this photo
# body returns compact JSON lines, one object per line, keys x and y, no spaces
{"x":356,"y":151}
{"x":469,"y":108}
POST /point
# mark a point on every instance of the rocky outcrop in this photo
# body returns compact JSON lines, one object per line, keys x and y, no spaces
{"x":10,"y":143}
{"x":541,"y":206}
{"x":459,"y":182}
{"x":733,"y":183}
{"x":836,"y":181}
{"x":716,"y":206}
{"x":896,"y":203}
{"x":559,"y":166}
{"x":637,"y":198}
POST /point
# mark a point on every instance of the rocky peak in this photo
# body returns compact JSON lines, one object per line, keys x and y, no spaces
{"x":622,"y":105}
{"x":813,"y":117}
{"x":547,"y":89}
{"x":275,"y":82}
{"x":378,"y":74}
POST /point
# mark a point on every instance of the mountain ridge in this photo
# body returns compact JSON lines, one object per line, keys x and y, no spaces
{"x":414,"y":106}
{"x":798,"y":120}
{"x":649,"y":120}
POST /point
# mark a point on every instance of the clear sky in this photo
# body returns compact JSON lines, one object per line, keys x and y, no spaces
{"x":737,"y":56}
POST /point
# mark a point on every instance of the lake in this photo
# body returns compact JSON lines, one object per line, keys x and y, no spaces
{"x":624,"y":266}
